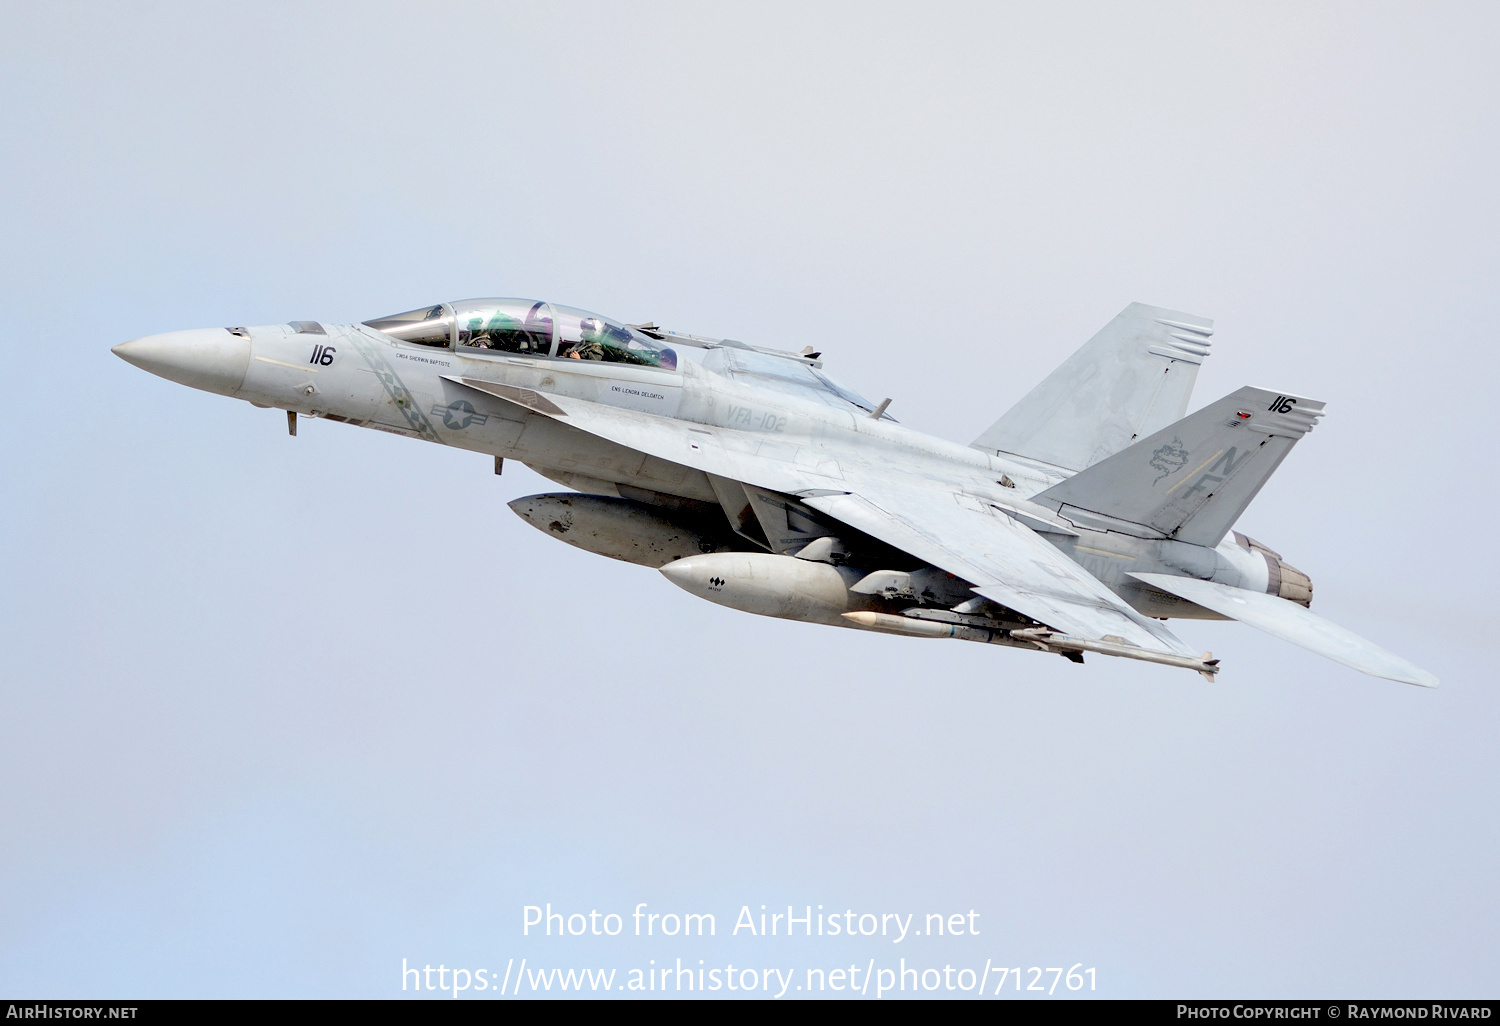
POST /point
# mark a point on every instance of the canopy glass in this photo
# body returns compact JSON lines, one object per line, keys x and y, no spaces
{"x":527,"y":327}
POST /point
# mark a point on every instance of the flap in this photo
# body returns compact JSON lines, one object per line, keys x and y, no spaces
{"x":1007,"y":562}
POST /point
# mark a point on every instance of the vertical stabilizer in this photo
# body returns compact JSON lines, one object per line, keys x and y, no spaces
{"x":1133,"y":378}
{"x":1193,"y":479}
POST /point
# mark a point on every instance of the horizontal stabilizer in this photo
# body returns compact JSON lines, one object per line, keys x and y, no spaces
{"x":1130,"y":379}
{"x":1191,"y":480}
{"x":1291,"y":622}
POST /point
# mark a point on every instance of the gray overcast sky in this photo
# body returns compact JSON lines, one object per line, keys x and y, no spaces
{"x":278,"y":713}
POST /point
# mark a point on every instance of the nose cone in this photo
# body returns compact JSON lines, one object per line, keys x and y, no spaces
{"x":683,"y":573}
{"x":208,"y":358}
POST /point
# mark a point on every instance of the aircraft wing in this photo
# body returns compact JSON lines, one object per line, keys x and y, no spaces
{"x":1005,"y":560}
{"x":1294,"y":623}
{"x":749,"y":456}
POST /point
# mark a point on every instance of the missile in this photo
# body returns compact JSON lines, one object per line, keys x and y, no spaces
{"x":1043,"y":638}
{"x":780,"y":586}
{"x":619,"y":528}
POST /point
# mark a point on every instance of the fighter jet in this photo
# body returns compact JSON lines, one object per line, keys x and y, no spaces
{"x":1092,"y":511}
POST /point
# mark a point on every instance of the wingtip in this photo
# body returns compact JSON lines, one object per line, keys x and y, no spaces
{"x":1403,"y":672}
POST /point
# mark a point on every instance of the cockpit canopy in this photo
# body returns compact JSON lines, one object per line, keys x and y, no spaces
{"x":529,"y":328}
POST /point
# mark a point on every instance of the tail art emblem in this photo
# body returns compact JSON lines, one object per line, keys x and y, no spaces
{"x":1169,"y":458}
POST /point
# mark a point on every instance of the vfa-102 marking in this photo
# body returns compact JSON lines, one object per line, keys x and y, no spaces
{"x":1093,"y":510}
